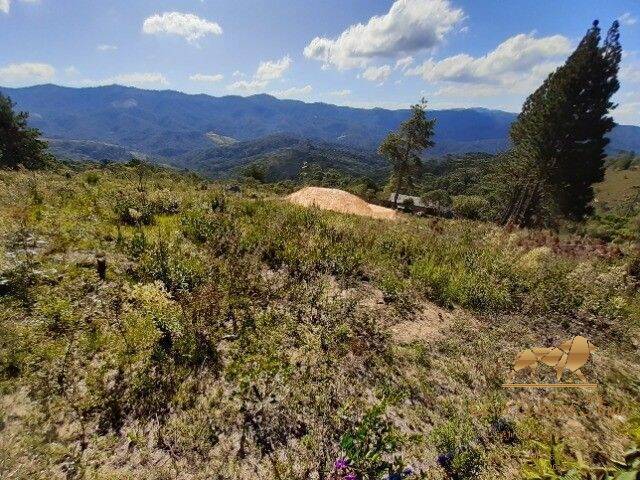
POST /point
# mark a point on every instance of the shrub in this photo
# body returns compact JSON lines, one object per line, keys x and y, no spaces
{"x":458,"y":455}
{"x":370,"y":450}
{"x":133,"y":209}
{"x":440,"y":197}
{"x":92,"y":178}
{"x":173,"y":263}
{"x":472,"y":207}
{"x":164,"y":202}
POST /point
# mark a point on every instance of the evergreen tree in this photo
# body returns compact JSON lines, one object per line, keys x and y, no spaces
{"x":404,"y":147}
{"x":19,"y":144}
{"x":559,"y":137}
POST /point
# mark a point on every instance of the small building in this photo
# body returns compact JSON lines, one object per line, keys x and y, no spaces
{"x":413,"y":204}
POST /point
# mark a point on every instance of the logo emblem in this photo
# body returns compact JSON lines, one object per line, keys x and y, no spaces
{"x":570,"y":355}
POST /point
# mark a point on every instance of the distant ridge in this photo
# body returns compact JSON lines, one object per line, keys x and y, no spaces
{"x":177,"y":126}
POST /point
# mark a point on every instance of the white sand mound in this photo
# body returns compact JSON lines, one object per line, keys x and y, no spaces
{"x":339,"y":201}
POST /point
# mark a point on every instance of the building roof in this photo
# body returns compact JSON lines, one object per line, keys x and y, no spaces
{"x":417,"y":201}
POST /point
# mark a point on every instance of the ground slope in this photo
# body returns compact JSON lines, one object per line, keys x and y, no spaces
{"x":237,"y":336}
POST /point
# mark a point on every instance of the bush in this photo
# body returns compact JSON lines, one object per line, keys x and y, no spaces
{"x":472,"y":207}
{"x":92,"y":178}
{"x":440,"y":197}
{"x":458,"y":455}
{"x":174,"y":264}
{"x":367,"y":447}
{"x":133,"y":209}
{"x":164,"y":202}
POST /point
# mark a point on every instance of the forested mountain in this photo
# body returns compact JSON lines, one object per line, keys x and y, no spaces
{"x":282,"y":156}
{"x":106,"y":122}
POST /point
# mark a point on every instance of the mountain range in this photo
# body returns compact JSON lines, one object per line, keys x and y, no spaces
{"x":216,"y":135}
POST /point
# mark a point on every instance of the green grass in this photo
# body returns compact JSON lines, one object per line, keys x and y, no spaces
{"x":235,"y":335}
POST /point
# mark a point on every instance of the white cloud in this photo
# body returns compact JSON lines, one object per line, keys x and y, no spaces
{"x":628,"y":112}
{"x":17,"y":74}
{"x":106,"y":48}
{"x":238,"y":74}
{"x":128,"y":79}
{"x":199,"y":77}
{"x":341,"y":93}
{"x":248,"y":86}
{"x":377,"y":74}
{"x":468,"y":91}
{"x":265,"y":73}
{"x":293,"y":92}
{"x":272,"y":69}
{"x":71,"y":71}
{"x":630,"y":73}
{"x":409,"y":26}
{"x":5,"y":5}
{"x":186,"y":25}
{"x":519,"y":62}
{"x":404,"y":63}
{"x":627,"y":19}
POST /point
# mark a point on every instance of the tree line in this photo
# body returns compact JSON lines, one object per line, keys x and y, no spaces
{"x":558,"y":139}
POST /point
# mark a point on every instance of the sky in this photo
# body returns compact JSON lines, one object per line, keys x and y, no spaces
{"x":361,"y":53}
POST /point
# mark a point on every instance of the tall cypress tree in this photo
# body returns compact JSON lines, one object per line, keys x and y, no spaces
{"x":559,"y":136}
{"x":403,"y":147}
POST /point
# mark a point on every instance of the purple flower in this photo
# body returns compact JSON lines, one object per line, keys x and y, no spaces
{"x":407,"y":471}
{"x":351,"y":476}
{"x":341,"y":464}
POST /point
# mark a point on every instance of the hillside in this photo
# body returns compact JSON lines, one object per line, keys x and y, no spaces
{"x":236,"y":336}
{"x":282,"y":157}
{"x":185,"y":130}
{"x":168,"y":123}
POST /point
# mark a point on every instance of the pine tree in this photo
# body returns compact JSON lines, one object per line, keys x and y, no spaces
{"x":559,"y":137}
{"x":404,"y":147}
{"x":19,"y":144}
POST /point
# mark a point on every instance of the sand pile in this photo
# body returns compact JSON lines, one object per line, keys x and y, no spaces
{"x":339,"y":201}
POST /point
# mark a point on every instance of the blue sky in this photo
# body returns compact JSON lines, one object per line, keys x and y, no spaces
{"x":364,"y":53}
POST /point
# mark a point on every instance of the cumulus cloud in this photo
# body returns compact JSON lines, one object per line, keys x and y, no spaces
{"x":628,"y":19}
{"x":272,"y":69}
{"x":239,"y":74}
{"x":200,"y":77}
{"x":186,"y":25}
{"x":404,"y":62}
{"x":409,"y":26}
{"x":106,"y":48}
{"x":17,"y":74}
{"x":377,"y":74}
{"x":293,"y":92}
{"x":519,"y":62}
{"x":128,"y":79}
{"x":266,"y":72}
{"x":341,"y":93}
{"x":247,"y":86}
{"x":630,"y":73}
{"x":5,"y":5}
{"x":628,"y":112}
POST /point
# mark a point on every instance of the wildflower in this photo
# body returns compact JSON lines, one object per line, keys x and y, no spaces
{"x":341,"y":463}
{"x":407,"y":471}
{"x":351,"y":476}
